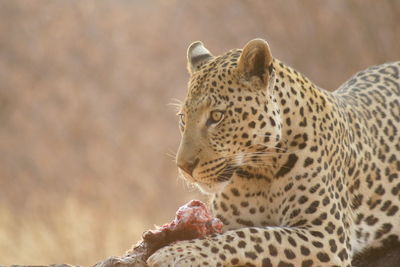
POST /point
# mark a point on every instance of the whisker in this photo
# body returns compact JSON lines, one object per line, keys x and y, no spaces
{"x":177,"y":101}
{"x":177,"y":104}
{"x":171,"y":155}
{"x":270,"y":147}
{"x":249,"y":155}
{"x":263,"y":164}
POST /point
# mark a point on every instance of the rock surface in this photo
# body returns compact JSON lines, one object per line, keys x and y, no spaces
{"x":125,"y":261}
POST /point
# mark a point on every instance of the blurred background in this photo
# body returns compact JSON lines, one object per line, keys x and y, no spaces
{"x":87,"y":137}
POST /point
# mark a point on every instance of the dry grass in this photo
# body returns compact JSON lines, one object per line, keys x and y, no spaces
{"x":85,"y":129}
{"x":73,"y":233}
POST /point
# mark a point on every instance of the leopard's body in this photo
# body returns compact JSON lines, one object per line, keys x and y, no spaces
{"x":300,"y":176}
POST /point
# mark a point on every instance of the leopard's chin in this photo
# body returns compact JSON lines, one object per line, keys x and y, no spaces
{"x":211,"y":188}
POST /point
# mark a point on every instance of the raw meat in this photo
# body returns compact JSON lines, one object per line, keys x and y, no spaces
{"x":193,"y":220}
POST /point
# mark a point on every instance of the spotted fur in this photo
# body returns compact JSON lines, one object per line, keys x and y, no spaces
{"x":300,"y":176}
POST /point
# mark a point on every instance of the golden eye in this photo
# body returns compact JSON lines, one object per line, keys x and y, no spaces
{"x":215,"y":117}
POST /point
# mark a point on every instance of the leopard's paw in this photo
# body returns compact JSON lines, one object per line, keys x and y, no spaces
{"x":179,"y":255}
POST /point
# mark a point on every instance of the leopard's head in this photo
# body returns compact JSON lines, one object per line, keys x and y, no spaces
{"x":230,"y":116}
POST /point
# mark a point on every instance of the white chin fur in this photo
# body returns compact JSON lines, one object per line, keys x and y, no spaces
{"x":211,"y":188}
{"x":205,"y":188}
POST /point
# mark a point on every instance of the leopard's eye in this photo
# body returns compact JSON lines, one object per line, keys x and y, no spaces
{"x":181,"y":120}
{"x":216,"y":116}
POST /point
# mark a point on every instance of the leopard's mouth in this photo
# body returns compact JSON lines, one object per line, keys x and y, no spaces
{"x":215,"y":182}
{"x":226,"y":173}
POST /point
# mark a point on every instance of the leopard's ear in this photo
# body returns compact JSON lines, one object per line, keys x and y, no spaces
{"x":255,"y":60}
{"x":197,"y":54}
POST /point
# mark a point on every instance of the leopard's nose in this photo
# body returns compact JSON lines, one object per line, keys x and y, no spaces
{"x":188,"y":165}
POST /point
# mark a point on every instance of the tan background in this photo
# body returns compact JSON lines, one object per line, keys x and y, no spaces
{"x":86,"y":133}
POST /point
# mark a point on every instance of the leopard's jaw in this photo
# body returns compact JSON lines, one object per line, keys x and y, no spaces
{"x":211,"y":188}
{"x":204,"y":187}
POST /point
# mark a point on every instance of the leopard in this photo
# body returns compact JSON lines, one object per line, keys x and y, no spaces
{"x":299,"y":175}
